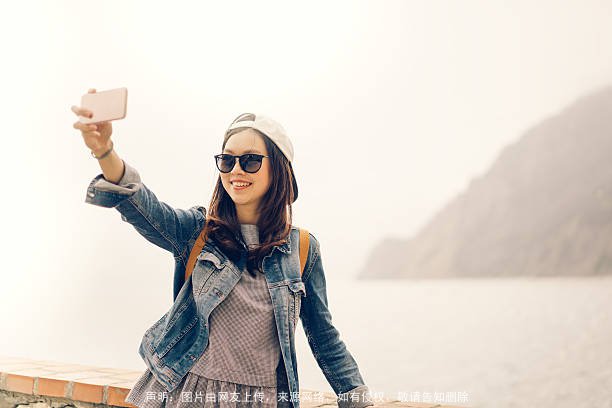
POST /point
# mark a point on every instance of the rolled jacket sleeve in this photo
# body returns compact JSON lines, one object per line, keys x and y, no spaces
{"x":129,"y":183}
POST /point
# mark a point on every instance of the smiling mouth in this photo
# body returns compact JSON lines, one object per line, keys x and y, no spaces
{"x":240,"y":186}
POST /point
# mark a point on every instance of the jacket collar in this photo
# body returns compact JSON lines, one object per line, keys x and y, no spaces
{"x":286,"y":247}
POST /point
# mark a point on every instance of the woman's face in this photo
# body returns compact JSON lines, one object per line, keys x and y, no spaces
{"x":246,"y":198}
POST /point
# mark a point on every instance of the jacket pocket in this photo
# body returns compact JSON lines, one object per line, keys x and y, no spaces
{"x":206,"y":271}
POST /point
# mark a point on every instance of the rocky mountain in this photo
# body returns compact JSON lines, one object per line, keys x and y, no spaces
{"x":544,"y":208}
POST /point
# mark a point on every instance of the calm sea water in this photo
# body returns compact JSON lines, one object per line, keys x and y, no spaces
{"x":505,"y":342}
{"x":501,"y":342}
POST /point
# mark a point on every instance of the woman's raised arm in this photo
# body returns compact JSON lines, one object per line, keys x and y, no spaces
{"x":119,"y":186}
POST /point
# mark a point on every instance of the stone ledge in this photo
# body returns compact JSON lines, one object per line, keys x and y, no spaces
{"x":43,"y":384}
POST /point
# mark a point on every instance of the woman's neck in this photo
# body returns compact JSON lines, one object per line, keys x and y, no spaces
{"x":246,"y":215}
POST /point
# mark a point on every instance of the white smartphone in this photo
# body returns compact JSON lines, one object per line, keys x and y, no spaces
{"x":106,"y":105}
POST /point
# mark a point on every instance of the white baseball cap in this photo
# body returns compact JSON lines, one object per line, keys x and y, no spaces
{"x":273,"y":130}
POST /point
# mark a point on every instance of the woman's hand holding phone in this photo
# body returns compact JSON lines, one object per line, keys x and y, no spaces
{"x":96,"y":136}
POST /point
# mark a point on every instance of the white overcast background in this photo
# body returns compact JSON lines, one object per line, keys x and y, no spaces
{"x":392,"y":107}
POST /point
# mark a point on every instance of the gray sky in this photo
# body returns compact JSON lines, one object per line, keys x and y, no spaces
{"x":392,"y":106}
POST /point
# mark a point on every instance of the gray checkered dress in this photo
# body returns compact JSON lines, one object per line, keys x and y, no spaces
{"x":229,"y":374}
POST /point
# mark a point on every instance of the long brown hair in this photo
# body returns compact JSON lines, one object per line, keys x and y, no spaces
{"x":275,"y":213}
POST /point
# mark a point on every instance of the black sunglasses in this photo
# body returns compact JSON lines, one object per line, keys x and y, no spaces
{"x":249,"y":162}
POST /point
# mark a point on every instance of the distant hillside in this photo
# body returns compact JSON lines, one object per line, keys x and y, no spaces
{"x":543,"y":209}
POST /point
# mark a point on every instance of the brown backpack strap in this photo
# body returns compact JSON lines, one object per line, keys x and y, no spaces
{"x":304,"y":244}
{"x":195,"y":251}
{"x":201,"y":241}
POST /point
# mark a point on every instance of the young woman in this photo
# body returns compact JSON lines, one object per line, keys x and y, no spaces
{"x":229,"y":338}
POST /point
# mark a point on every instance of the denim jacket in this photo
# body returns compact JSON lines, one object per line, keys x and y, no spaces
{"x":171,"y":345}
